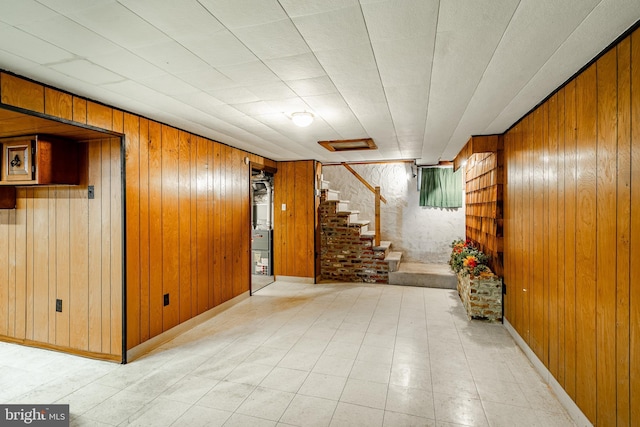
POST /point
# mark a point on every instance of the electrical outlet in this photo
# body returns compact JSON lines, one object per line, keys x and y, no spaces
{"x":91,"y":192}
{"x":166,"y":300}
{"x":59,"y":305}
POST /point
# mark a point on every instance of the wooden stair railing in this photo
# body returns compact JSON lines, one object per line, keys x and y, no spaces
{"x":378,"y":199}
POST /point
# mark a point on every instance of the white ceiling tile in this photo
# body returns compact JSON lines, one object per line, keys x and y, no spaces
{"x":207,"y":79}
{"x":118,"y":24}
{"x":404,"y":62}
{"x":289,"y":105}
{"x":201,"y":100}
{"x":244,"y":13}
{"x":27,"y":11}
{"x":219,"y":49}
{"x":234,"y":95}
{"x":254,"y":108}
{"x":314,"y":86}
{"x":273,"y":40}
{"x":168,"y":84}
{"x":29,"y":47}
{"x":272,"y":91}
{"x":333,"y":30}
{"x":87,"y":72}
{"x":296,"y":67}
{"x":171,"y":57}
{"x":175,"y":18}
{"x":68,"y":35}
{"x":305,"y":7}
{"x":347,"y":60}
{"x":249,"y":73}
{"x":363,"y":81}
{"x":126,"y":64}
{"x":401,"y":19}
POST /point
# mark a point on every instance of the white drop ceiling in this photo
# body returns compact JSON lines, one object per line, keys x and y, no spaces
{"x":418,"y":76}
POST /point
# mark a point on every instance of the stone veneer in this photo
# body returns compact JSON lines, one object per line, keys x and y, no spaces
{"x":481,"y":296}
{"x":347,"y":253}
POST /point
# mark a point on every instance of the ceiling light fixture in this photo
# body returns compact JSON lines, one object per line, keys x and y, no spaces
{"x":302,"y":119}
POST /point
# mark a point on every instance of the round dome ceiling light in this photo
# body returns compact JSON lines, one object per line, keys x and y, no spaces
{"x":302,"y":119}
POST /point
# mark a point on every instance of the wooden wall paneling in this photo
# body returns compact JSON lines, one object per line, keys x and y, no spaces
{"x":155,"y":230}
{"x":226,"y":236}
{"x":526,"y":227}
{"x":570,"y":179}
{"x":202,"y":227}
{"x":193,"y":189}
{"x":211,"y":266}
{"x":103,"y":198}
{"x":634,"y":285}
{"x":217,"y":226}
{"x":51,"y":264}
{"x":20,"y":269}
{"x":79,"y":277}
{"x":58,"y":104}
{"x":545,"y":225}
{"x":291,"y":248}
{"x":4,"y":273}
{"x":586,"y":242}
{"x":145,"y":240}
{"x":11,"y":272}
{"x":561,"y":237}
{"x":40,"y":268}
{"x":170,"y":227}
{"x":21,"y":93}
{"x":118,"y":121}
{"x":63,"y":262}
{"x":537,"y":281}
{"x":516,"y":287}
{"x":184,"y":235}
{"x":506,"y":301}
{"x":605,"y":301}
{"x":96,"y":247}
{"x":623,"y":232}
{"x":245,"y":222}
{"x":552,"y":240}
{"x":79,"y":110}
{"x":239,"y":224}
{"x":132,"y":174}
{"x":117,"y":244}
{"x":300,"y":219}
{"x":278,"y":183}
{"x":99,"y":115}
{"x":29,"y":265}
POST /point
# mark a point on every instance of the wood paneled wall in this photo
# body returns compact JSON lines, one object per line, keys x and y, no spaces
{"x":294,"y":228}
{"x":58,"y":244}
{"x":572,"y":227}
{"x":187,"y":226}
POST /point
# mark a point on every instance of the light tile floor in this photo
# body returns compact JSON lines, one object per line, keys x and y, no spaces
{"x":304,"y":355}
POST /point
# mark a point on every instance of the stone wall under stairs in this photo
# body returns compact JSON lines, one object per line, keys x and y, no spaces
{"x":348,"y":251}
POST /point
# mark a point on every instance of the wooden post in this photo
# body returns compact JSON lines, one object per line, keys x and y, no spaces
{"x":377,"y":243}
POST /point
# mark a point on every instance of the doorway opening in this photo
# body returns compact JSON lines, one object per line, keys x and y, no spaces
{"x":261,"y":229}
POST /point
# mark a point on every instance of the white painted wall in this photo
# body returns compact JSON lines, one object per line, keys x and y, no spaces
{"x":422,"y":234}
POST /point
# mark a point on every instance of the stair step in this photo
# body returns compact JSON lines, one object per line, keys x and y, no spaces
{"x":324,"y":185}
{"x":343,"y":205}
{"x":333,"y":195}
{"x":370,"y":234}
{"x":384,"y":245}
{"x":393,"y":258}
{"x":424,"y":275}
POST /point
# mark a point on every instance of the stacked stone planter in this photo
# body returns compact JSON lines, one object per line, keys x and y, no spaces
{"x":481,"y":296}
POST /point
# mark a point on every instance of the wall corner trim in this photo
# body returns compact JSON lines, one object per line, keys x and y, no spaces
{"x":565,"y":400}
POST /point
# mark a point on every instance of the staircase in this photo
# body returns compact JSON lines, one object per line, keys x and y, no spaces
{"x":348,"y":251}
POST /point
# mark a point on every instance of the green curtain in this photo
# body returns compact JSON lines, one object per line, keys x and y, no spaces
{"x":441,"y":188}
